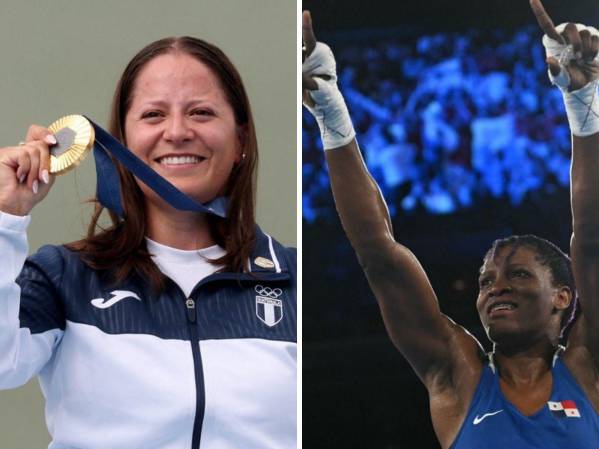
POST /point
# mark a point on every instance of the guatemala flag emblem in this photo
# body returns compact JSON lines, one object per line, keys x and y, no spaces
{"x":564,"y":409}
{"x":269,"y":309}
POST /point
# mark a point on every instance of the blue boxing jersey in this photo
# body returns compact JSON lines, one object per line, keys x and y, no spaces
{"x":567,"y":420}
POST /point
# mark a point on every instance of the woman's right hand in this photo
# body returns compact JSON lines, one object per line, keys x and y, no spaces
{"x":308,"y":82}
{"x":325,"y":68}
{"x":25,"y":177}
{"x":321,"y":96}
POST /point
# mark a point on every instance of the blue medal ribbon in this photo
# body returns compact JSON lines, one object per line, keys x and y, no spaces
{"x":108,"y":183}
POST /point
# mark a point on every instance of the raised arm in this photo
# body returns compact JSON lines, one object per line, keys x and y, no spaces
{"x":585,"y":237}
{"x":31,"y":321}
{"x":574,"y":68}
{"x":434,"y":346}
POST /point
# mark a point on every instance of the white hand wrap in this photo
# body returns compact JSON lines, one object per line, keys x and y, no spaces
{"x":330,"y":111}
{"x":582,"y":105}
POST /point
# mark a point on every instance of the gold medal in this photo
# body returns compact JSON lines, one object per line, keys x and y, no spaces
{"x":75,"y":136}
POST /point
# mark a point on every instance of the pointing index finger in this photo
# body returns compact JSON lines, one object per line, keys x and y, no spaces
{"x":308,"y":32}
{"x":545,"y":21}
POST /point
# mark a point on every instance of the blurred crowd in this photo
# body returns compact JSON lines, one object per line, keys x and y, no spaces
{"x":446,"y":120}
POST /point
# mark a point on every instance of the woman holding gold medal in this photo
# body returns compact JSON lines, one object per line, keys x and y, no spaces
{"x":161,"y":329}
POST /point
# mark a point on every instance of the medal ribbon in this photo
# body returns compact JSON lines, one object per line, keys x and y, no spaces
{"x":108,"y":184}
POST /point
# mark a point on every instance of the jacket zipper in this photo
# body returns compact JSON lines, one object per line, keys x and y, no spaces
{"x":199,"y":372}
{"x":191,"y":312}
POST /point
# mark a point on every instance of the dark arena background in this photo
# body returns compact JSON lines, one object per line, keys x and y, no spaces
{"x":469,"y":142}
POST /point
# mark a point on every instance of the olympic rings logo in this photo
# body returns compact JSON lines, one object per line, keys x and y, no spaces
{"x":268,"y":292}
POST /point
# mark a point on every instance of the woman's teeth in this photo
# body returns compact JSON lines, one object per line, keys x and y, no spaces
{"x":502,"y":306}
{"x":180,"y":160}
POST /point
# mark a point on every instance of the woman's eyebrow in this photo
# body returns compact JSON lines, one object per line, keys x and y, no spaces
{"x":161,"y":102}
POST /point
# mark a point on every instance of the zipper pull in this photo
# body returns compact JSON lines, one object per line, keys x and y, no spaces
{"x":191,"y":310}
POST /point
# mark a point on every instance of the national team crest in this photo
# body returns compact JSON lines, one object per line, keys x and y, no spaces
{"x":268,"y":308}
{"x":564,"y":409}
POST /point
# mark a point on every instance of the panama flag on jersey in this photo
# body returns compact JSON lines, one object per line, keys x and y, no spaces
{"x":564,"y":409}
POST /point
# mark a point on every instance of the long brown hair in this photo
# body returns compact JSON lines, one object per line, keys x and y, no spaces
{"x":120,"y":249}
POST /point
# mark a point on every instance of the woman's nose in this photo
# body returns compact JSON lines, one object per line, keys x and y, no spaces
{"x":178,"y":130}
{"x":500,"y":287}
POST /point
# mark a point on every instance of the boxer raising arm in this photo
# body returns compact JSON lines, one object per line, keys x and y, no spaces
{"x":574,"y":68}
{"x":447,"y":359}
{"x":526,"y":293}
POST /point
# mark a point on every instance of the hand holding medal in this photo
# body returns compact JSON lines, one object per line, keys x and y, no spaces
{"x":25,"y":172}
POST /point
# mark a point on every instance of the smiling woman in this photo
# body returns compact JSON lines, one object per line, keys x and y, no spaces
{"x":181,"y":97}
{"x":182,"y":125}
{"x":165,"y":323}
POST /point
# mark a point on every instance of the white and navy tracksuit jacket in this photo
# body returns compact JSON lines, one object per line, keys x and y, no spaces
{"x":215,"y":370}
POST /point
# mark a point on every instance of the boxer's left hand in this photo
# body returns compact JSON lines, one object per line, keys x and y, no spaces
{"x":582,"y":67}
